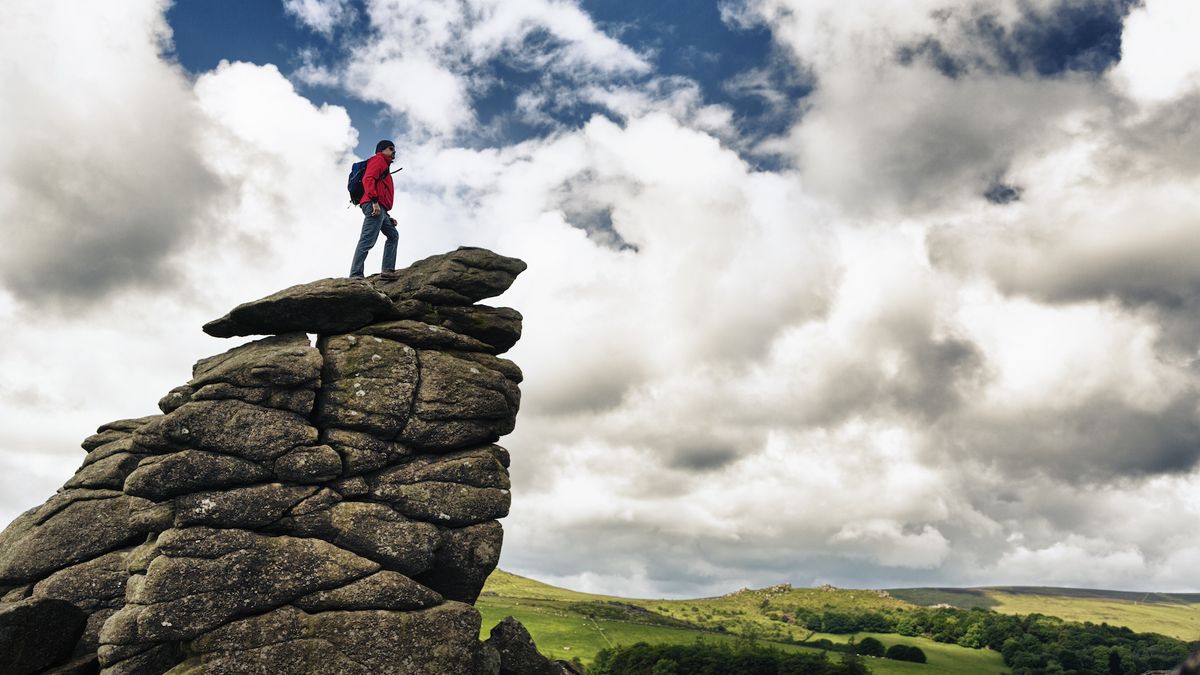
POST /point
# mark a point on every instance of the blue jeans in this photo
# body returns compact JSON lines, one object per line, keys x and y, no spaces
{"x":372,"y":226}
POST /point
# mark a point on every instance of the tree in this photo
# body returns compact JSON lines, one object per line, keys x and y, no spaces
{"x":1114,"y":663}
{"x":852,"y":664}
{"x":905,"y":653}
{"x":871,"y":647}
{"x":665,"y":667}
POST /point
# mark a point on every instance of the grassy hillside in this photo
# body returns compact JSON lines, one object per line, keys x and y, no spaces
{"x":1176,"y":615}
{"x":567,"y":624}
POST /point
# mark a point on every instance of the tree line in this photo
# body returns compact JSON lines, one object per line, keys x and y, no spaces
{"x":1032,"y":644}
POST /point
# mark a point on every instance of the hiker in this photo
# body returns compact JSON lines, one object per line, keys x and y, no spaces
{"x":376,"y":203}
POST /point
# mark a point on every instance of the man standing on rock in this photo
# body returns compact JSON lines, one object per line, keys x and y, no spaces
{"x":376,"y":203}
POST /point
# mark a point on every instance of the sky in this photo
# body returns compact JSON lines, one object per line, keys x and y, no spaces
{"x":874,"y":293}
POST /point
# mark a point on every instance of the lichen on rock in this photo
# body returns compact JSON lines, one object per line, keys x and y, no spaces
{"x":298,"y":507}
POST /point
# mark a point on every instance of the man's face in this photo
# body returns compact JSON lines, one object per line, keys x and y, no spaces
{"x":390,"y":151}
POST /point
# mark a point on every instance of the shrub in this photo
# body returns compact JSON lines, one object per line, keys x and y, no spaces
{"x":905,"y":653}
{"x":870,"y":647}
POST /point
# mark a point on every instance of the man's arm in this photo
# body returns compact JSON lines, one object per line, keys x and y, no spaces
{"x":375,"y":166}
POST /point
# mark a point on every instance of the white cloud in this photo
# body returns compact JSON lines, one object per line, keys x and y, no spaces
{"x":426,"y":61}
{"x":320,"y":15}
{"x":855,"y":370}
{"x":102,"y":182}
{"x":1159,"y":59}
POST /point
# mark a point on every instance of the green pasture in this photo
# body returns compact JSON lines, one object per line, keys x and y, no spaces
{"x":1176,"y":619}
{"x":552,"y":616}
{"x":1176,"y":615}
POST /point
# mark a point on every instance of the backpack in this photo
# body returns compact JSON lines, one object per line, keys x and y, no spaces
{"x":354,"y":183}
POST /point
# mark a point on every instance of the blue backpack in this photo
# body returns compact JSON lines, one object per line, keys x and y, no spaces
{"x":354,"y":182}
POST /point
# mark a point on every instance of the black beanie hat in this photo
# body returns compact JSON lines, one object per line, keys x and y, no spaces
{"x":384,"y":144}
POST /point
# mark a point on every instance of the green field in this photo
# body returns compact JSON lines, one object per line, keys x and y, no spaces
{"x":559,"y":621}
{"x":1176,"y":615}
{"x":564,"y":635}
{"x":568,"y":624}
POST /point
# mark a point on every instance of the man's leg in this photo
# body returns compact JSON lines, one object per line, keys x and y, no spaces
{"x":370,"y":234}
{"x":389,"y":246}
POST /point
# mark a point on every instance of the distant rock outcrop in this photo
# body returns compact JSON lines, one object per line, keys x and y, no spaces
{"x":296,"y":508}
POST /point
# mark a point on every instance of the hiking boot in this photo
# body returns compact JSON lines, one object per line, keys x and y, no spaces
{"x":389,"y":275}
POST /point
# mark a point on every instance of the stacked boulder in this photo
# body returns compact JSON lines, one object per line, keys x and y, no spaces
{"x":297,"y":508}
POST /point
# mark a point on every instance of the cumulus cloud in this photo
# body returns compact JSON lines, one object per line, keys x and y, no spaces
{"x":1159,"y":62}
{"x":103,"y":183}
{"x":427,"y":61}
{"x":853,"y":368}
{"x":320,"y":15}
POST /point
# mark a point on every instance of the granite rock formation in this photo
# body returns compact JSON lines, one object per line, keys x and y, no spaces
{"x":296,"y":508}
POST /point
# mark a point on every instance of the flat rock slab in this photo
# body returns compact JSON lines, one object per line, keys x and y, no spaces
{"x":325,"y":306}
{"x":333,"y":306}
{"x":460,"y":277}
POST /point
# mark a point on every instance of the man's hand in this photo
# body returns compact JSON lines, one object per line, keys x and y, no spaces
{"x":374,"y":208}
{"x":394,"y":223}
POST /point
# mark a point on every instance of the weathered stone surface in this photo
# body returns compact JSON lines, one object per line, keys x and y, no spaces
{"x":228,"y":427}
{"x":451,"y":504}
{"x":479,"y":467}
{"x":97,"y":587}
{"x":155,"y":659}
{"x":128,"y":425}
{"x":351,"y":487}
{"x":90,"y":585}
{"x":16,"y":593}
{"x":382,"y":590}
{"x":423,"y":335}
{"x":299,"y":401}
{"x":487,"y":659}
{"x":327,"y":306}
{"x":309,"y":465}
{"x":503,"y":366}
{"x":368,"y":384}
{"x":298,"y":508}
{"x":67,"y":529}
{"x":162,"y":476}
{"x":105,"y":473}
{"x":37,"y":633}
{"x":435,"y":641}
{"x":362,"y":452}
{"x":323,"y":500}
{"x":114,"y":431}
{"x":205,"y":577}
{"x":518,"y":654}
{"x":460,"y":403}
{"x":78,"y":665}
{"x":464,"y":561}
{"x":248,"y":507}
{"x":103,"y":438}
{"x":124,"y":444}
{"x":150,"y":516}
{"x":374,"y":531}
{"x":175,"y":398}
{"x":498,"y":328}
{"x":460,"y":277}
{"x":453,"y":388}
{"x":281,"y":361}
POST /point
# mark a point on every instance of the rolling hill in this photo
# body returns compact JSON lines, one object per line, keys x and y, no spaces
{"x":570,"y":624}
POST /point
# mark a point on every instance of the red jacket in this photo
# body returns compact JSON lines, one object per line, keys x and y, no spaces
{"x":377,"y":182}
